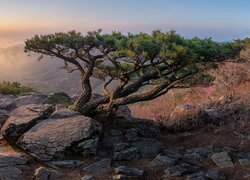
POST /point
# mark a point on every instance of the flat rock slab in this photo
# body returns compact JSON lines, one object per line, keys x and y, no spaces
{"x":160,"y":160}
{"x":11,"y":166}
{"x":125,"y":170}
{"x":24,"y":118}
{"x":177,"y":170}
{"x":222,"y":159}
{"x":88,"y":177}
{"x":53,"y":138}
{"x":196,"y":176}
{"x":215,"y":174}
{"x":66,"y":163}
{"x":98,"y":167}
{"x":148,"y":147}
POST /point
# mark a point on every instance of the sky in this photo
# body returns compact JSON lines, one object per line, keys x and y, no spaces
{"x":223,"y":20}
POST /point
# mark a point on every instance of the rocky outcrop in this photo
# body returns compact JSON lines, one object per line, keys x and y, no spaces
{"x":53,"y":138}
{"x":33,"y":98}
{"x":23,"y":118}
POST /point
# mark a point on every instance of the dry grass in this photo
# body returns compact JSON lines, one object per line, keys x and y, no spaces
{"x":232,"y":84}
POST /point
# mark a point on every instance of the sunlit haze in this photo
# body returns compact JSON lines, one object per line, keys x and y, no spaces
{"x":222,"y":20}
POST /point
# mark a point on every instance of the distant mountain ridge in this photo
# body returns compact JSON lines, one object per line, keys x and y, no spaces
{"x":45,"y":75}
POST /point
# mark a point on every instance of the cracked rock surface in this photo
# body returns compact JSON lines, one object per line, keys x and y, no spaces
{"x":53,"y":138}
{"x":23,"y":118}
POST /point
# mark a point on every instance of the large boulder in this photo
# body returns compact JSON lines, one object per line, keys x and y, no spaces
{"x":33,"y":98}
{"x":7,"y":103}
{"x":54,"y":138}
{"x":23,"y":118}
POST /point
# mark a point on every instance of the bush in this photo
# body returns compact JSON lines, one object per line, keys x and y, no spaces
{"x":15,"y":88}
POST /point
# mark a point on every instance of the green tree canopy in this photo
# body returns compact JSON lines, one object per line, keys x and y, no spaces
{"x":142,"y":66}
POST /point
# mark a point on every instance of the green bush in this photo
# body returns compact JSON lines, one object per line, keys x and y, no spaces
{"x":15,"y":88}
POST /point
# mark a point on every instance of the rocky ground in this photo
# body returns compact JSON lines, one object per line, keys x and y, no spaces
{"x":42,"y":140}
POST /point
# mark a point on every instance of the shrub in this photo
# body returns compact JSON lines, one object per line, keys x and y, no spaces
{"x":15,"y":88}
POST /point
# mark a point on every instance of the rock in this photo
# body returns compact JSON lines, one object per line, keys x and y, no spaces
{"x":89,"y":146}
{"x":88,"y":177}
{"x":58,"y":98}
{"x":66,"y":163}
{"x":160,"y":160}
{"x":10,"y":173}
{"x":124,"y":152}
{"x":148,"y":147}
{"x":125,"y":112}
{"x":172,"y":153}
{"x":64,"y":113}
{"x":3,"y":117}
{"x":195,"y":154}
{"x":53,"y":138}
{"x":222,"y":159}
{"x":215,"y":174}
{"x":43,"y":173}
{"x":244,"y":162}
{"x":24,"y":118}
{"x":115,"y":132}
{"x":129,"y":171}
{"x":10,"y":166}
{"x":98,"y":167}
{"x":11,"y":160}
{"x":146,"y":128}
{"x":128,"y":154}
{"x":120,"y":177}
{"x":33,"y":98}
{"x":7,"y":103}
{"x":132,"y":134}
{"x":121,"y":147}
{"x":177,"y":170}
{"x":197,"y":176}
{"x":110,"y":141}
